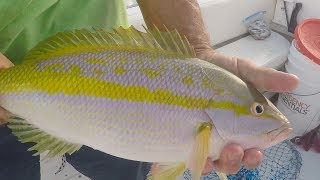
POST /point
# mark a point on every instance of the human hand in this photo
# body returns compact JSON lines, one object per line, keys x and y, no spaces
{"x":185,"y":16}
{"x":231,"y":159}
{"x":4,"y":64}
{"x":264,"y":79}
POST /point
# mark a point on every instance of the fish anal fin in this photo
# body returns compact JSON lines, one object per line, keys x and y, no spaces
{"x":166,"y":171}
{"x":28,"y":133}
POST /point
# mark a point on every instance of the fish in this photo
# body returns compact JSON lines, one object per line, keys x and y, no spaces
{"x":136,"y":95}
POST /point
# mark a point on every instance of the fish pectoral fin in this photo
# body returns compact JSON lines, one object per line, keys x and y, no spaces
{"x":164,"y":171}
{"x":200,"y":150}
{"x":222,"y":176}
{"x":26,"y":132}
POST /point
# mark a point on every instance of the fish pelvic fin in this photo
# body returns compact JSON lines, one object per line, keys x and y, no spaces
{"x":72,"y":42}
{"x":166,"y":171}
{"x":28,"y":133}
{"x":200,"y":150}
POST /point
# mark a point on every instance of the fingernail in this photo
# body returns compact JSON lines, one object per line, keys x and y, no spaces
{"x":234,"y":163}
{"x":234,"y":160}
{"x":252,"y":163}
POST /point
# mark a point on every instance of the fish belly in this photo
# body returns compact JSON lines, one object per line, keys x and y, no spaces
{"x":149,"y":132}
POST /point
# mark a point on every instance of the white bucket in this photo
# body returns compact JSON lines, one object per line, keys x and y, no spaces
{"x":302,"y":106}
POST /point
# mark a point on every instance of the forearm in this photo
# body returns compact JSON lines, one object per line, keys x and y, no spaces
{"x":183,"y":15}
{"x":4,"y":64}
{"x":186,"y":17}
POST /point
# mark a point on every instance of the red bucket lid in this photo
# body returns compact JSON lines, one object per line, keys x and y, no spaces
{"x":307,"y":35}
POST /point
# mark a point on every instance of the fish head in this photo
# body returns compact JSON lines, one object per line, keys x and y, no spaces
{"x":252,"y":122}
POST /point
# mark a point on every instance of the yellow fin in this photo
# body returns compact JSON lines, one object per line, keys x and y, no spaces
{"x":222,"y":176}
{"x":171,"y":40}
{"x":97,"y":40}
{"x":26,"y":132}
{"x":200,"y":150}
{"x":166,"y":171}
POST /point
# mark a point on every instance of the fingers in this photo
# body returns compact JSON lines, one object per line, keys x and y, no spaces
{"x":208,"y":167}
{"x":266,"y":78}
{"x":252,"y":158}
{"x":230,"y":159}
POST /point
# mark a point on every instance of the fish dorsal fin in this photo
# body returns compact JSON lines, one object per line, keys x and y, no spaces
{"x":26,"y":132}
{"x":95,"y":40}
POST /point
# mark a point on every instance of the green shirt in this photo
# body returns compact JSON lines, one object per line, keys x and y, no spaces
{"x":24,"y":23}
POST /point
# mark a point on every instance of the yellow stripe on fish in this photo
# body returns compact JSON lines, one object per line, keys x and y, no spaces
{"x":36,"y":81}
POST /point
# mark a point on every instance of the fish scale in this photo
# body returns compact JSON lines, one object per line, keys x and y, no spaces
{"x":138,"y":96}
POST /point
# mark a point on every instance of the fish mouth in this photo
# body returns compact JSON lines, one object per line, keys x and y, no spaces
{"x":280,"y":134}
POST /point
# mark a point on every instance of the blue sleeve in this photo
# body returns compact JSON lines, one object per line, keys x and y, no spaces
{"x":100,"y":166}
{"x":15,"y":161}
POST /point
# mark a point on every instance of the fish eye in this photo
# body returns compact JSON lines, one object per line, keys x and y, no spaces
{"x":257,"y":109}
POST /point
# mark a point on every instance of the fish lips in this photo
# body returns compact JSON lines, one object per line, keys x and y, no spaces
{"x":280,"y":134}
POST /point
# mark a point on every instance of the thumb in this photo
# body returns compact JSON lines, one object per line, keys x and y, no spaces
{"x":267,"y":79}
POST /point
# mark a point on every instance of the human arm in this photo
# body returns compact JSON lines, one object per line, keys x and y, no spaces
{"x":185,"y":16}
{"x":4,"y":64}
